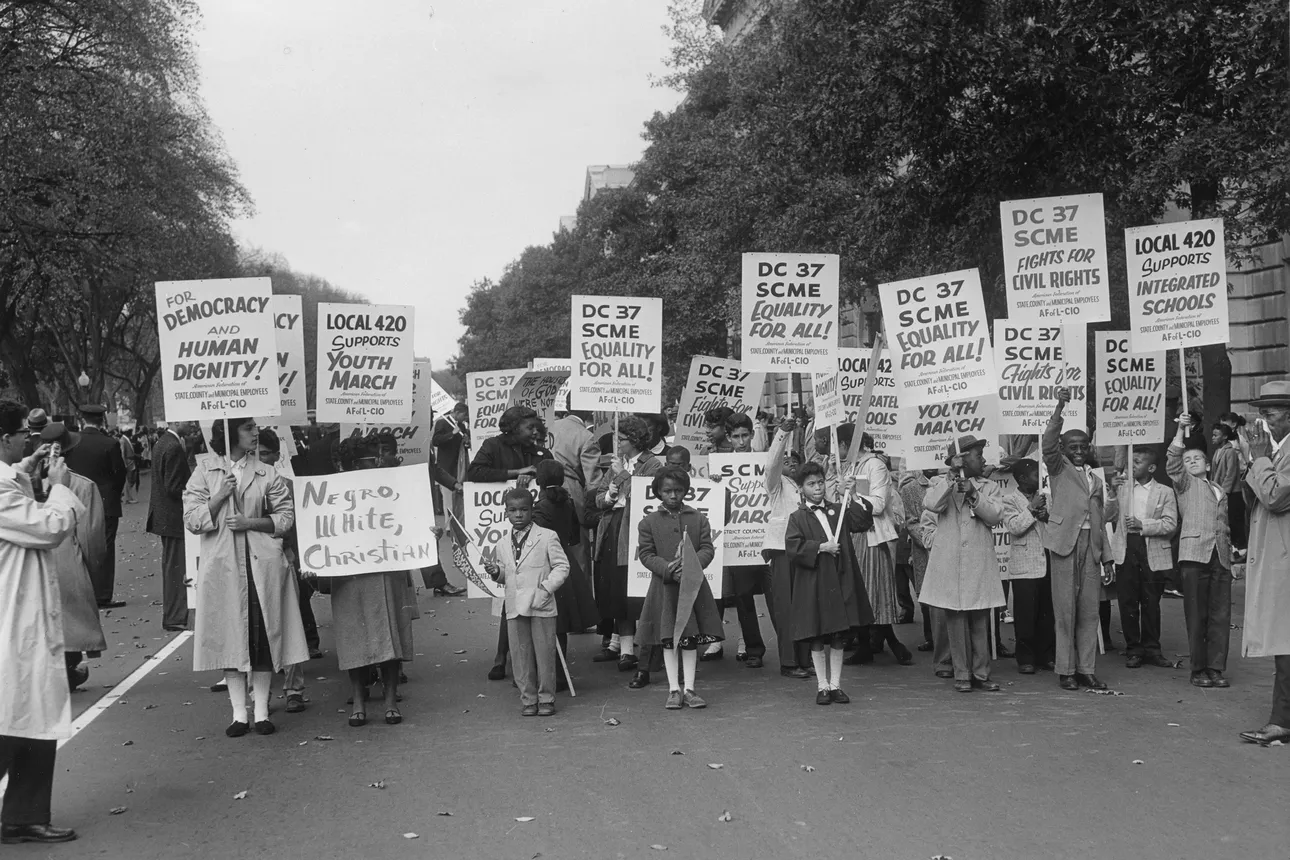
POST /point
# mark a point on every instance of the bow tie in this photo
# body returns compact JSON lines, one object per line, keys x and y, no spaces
{"x":821,"y":508}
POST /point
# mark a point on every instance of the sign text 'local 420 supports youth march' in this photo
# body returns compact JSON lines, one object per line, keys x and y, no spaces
{"x":217,"y":344}
{"x":364,"y":365}
{"x":617,"y":361}
{"x":790,"y":312}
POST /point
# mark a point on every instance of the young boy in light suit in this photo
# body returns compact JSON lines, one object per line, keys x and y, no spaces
{"x":1143,"y":556}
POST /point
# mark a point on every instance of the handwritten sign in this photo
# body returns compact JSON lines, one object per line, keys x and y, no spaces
{"x":940,"y":345}
{"x":441,"y":402}
{"x":487,"y":393}
{"x":713,"y":383}
{"x":1130,"y":391}
{"x":364,"y":363}
{"x":1177,"y":284}
{"x":216,"y":339}
{"x":706,"y":497}
{"x":882,"y":421}
{"x":484,"y":517}
{"x":538,"y":390}
{"x":414,"y":437}
{"x":929,"y":428}
{"x":1054,"y":260}
{"x":368,"y":521}
{"x":744,"y":476}
{"x":1033,"y":362}
{"x":790,"y":312}
{"x":616,"y":361}
{"x":562,"y":396}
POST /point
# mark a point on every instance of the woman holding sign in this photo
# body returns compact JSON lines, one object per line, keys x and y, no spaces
{"x":248,"y":609}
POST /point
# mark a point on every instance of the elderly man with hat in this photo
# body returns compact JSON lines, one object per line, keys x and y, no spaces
{"x":1080,"y":556}
{"x":37,"y":420}
{"x":962,"y":578}
{"x":1267,"y":565}
{"x":98,"y":457}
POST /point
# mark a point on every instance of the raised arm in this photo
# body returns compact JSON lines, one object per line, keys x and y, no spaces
{"x":1052,"y":443}
{"x":774,"y":475}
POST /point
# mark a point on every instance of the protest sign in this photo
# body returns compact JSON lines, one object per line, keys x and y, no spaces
{"x":713,"y":383}
{"x":882,"y":421}
{"x":562,"y":396}
{"x":484,"y":518}
{"x":744,"y":476}
{"x":616,"y":362}
{"x":217,"y":345}
{"x":929,"y":428}
{"x":1002,"y":537}
{"x":1177,"y":284}
{"x":940,"y":345}
{"x":538,"y":390}
{"x":1054,"y":260}
{"x":487,"y":393}
{"x":1033,"y":362}
{"x":441,"y":402}
{"x":1129,"y":390}
{"x":368,"y":521}
{"x":364,"y":365}
{"x":827,"y":394}
{"x":413,"y":437}
{"x":790,"y":312}
{"x":706,"y":497}
{"x":289,"y":325}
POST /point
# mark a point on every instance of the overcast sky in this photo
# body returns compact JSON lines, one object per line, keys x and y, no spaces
{"x":404,"y":149}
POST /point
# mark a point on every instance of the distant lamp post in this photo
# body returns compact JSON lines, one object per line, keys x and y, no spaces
{"x":83,"y":380}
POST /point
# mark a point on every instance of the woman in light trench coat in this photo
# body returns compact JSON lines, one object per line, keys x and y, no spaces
{"x":248,"y":614}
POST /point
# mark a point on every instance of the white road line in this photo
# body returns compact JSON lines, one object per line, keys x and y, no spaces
{"x":94,"y":710}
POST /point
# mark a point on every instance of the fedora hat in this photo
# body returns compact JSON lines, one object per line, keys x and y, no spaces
{"x":58,"y":432}
{"x":966,"y":443}
{"x":37,"y":419}
{"x":1273,"y":394}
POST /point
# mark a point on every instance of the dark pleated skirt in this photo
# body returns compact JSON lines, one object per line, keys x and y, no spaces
{"x":612,"y":602}
{"x":575,"y":605}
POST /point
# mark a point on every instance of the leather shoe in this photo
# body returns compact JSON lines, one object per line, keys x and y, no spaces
{"x":264,"y":727}
{"x":528,"y":711}
{"x":1158,"y":660}
{"x":315,"y":653}
{"x":986,"y":685}
{"x":715,"y":655}
{"x":237,"y":729}
{"x":902,"y":655}
{"x":823,"y":698}
{"x":1089,"y":680}
{"x":673,"y":701}
{"x":497,"y":673}
{"x":639,"y":680}
{"x":839,"y":698}
{"x":862,"y":657}
{"x":753,"y":663}
{"x":605,"y":656}
{"x":295,"y":704}
{"x":1264,"y":736}
{"x":173,"y":628}
{"x":627,"y":663}
{"x":112,"y":604}
{"x":546,"y":709}
{"x":1200,"y":679}
{"x":1217,"y":677}
{"x":1026,"y":669}
{"x":1005,"y":653}
{"x":12,"y":834}
{"x":450,"y":591}
{"x":77,"y":675}
{"x":962,"y":686}
{"x":1133,"y":662}
{"x":945,"y":673}
{"x":691,"y":700}
{"x":1067,"y":682}
{"x":926,"y":645}
{"x":794,"y":672}
{"x":1050,"y":666}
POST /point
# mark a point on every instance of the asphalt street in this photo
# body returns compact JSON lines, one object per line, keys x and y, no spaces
{"x":909,"y":769}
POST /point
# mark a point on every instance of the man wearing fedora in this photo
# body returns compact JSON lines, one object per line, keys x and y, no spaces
{"x":98,"y":457}
{"x":962,"y":576}
{"x":170,"y":473}
{"x":37,"y":420}
{"x":1267,"y":570}
{"x":1079,"y":554}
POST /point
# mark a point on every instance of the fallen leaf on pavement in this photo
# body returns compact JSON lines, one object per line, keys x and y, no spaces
{"x":445,"y":814}
{"x":550,"y":730}
{"x":1276,"y":743}
{"x":149,"y":707}
{"x":1175,"y":725}
{"x":241,"y":795}
{"x":677,"y":752}
{"x":302,"y":743}
{"x":659,"y":847}
{"x":480,"y":696}
{"x":462,"y":651}
{"x":808,"y":768}
{"x":117,"y":810}
{"x":377,"y":784}
{"x":1138,"y":761}
{"x":724,"y":816}
{"x":410,"y":836}
{"x":613,"y":721}
{"x":524,"y":819}
{"x":323,"y":738}
{"x":128,"y":744}
{"x":716,"y":766}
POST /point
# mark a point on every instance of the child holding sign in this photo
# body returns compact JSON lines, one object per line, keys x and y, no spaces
{"x":678,"y":598}
{"x":532,"y":572}
{"x":829,"y":599}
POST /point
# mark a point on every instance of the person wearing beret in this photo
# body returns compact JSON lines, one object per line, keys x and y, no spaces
{"x":98,"y":457}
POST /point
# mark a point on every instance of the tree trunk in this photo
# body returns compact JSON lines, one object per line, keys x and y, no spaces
{"x":1215,"y":363}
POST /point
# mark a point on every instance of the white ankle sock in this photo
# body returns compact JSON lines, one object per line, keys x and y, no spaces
{"x":690,"y":663}
{"x":671,"y":665}
{"x":835,"y":668}
{"x":613,"y":642}
{"x":261,"y":686}
{"x":821,"y":669}
{"x":237,"y":694}
{"x":627,"y":645}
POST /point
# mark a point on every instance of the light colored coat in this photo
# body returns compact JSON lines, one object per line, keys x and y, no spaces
{"x":1158,"y":527}
{"x":1205,"y":529}
{"x":531,"y":582}
{"x":1267,"y":565}
{"x":1074,"y":493}
{"x":1026,"y":559}
{"x":36,"y":702}
{"x":220,"y":639}
{"x":73,"y":558}
{"x":872,"y":469}
{"x":962,"y":568}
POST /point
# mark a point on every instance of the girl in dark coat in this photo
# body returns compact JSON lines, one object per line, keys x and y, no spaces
{"x":829,"y":598}
{"x":554,"y":510}
{"x":668,"y":601}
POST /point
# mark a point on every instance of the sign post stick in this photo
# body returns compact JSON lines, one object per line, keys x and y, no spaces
{"x":564,"y":664}
{"x":1182,"y":374}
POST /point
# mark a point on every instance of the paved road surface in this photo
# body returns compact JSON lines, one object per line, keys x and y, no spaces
{"x":909,"y":770}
